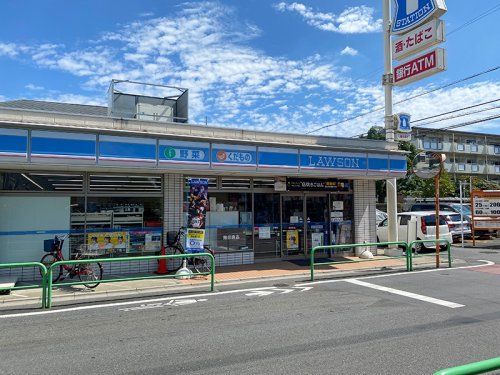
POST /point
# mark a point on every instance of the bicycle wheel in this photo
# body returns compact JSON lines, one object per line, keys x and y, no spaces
{"x":201,"y":265}
{"x":90,"y":274}
{"x":47,"y":261}
{"x":174,"y":250}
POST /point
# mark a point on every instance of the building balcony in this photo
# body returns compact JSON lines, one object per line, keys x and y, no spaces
{"x":493,"y":170}
{"x":490,"y":150}
{"x":460,"y":148}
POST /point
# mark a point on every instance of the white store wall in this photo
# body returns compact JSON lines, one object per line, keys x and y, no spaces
{"x":25,"y":214}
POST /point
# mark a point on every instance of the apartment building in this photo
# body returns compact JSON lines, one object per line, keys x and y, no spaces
{"x":468,"y":154}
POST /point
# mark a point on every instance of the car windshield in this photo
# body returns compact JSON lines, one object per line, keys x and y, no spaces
{"x":465,"y":209}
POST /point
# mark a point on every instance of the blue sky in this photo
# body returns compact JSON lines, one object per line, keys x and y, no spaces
{"x":267,"y":65}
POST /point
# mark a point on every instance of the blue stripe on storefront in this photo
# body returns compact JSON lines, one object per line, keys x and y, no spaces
{"x":127,"y":150}
{"x":398,"y":165}
{"x":63,"y":146}
{"x":267,"y":158}
{"x":378,"y":164}
{"x":14,"y":143}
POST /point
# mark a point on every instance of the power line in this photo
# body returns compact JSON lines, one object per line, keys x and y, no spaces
{"x":456,"y":110}
{"x":461,"y":115}
{"x":475,"y":19}
{"x":405,"y":100}
{"x":459,"y":125}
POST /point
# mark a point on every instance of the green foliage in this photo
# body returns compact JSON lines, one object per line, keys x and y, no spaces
{"x":482,"y":184}
{"x":447,"y":187}
{"x":376,"y":132}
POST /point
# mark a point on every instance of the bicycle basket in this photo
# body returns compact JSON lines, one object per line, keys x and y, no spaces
{"x":171,"y":238}
{"x":49,"y":246}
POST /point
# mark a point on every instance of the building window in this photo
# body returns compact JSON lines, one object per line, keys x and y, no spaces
{"x":41,"y":182}
{"x":427,"y":145}
{"x":497,"y":168}
{"x":460,"y":147}
{"x":497,"y":149}
{"x":473,"y":147}
{"x":461,"y":167}
{"x":475,"y":168}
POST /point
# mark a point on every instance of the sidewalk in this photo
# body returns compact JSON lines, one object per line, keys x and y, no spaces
{"x":224,"y":276}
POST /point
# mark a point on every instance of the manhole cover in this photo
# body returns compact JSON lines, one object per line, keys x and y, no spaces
{"x":489,"y":252}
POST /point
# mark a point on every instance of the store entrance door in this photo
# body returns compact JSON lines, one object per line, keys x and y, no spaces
{"x":292,"y":219}
{"x":317,"y":221}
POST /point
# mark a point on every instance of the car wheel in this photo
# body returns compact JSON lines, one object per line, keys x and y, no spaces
{"x":418,"y":247}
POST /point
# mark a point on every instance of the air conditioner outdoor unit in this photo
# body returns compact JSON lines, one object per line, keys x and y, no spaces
{"x":154,"y":112}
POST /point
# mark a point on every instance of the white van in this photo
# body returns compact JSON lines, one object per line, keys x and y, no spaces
{"x":420,"y":225}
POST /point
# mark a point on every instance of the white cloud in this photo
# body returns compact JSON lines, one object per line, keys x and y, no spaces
{"x":352,"y":20}
{"x":146,"y":14}
{"x":33,"y":87}
{"x":349,"y":51}
{"x":8,"y":49}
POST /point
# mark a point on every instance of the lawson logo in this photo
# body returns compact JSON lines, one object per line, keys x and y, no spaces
{"x":411,"y":13}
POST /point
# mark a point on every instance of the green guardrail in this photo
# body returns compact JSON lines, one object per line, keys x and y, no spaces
{"x":472,"y":368}
{"x":49,"y":284}
{"x":43,"y":274}
{"x":344,"y":246}
{"x":435,"y":241}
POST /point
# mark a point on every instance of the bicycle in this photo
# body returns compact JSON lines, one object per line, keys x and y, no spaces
{"x":89,"y":273}
{"x":175,"y":245}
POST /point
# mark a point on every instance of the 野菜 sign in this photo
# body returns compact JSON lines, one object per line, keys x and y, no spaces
{"x":409,"y":14}
{"x":417,"y":40}
{"x":420,"y":67}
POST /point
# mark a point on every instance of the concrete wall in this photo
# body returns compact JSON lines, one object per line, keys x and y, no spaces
{"x":365,"y":225}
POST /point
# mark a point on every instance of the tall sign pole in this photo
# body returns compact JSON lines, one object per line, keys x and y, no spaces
{"x":387,"y":81}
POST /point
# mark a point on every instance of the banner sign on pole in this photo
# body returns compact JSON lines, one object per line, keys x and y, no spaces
{"x":417,"y":40}
{"x":197,"y":212}
{"x":420,"y":67}
{"x":412,"y":13}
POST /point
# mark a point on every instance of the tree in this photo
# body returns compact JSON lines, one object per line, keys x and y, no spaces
{"x":376,"y":132}
{"x":447,"y":187}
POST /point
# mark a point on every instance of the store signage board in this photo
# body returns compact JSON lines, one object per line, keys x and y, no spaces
{"x":127,"y":150}
{"x":486,"y":203}
{"x":403,"y":137}
{"x":13,"y":144}
{"x":418,"y":40}
{"x":225,"y":155}
{"x":420,"y":67}
{"x":278,"y":158}
{"x":332,"y":161}
{"x":487,"y":224}
{"x":409,"y":14}
{"x":315,"y":184}
{"x":49,"y":146}
{"x":181,"y":154}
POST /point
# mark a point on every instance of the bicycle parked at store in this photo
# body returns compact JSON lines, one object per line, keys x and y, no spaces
{"x":89,"y":273}
{"x":175,"y":245}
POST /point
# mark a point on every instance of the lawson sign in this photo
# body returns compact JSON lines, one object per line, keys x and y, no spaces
{"x":412,"y":13}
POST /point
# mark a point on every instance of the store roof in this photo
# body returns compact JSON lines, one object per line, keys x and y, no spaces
{"x":38,"y":105}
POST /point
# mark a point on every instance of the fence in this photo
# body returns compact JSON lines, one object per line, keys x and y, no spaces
{"x":50,"y":271}
{"x":441,"y":241}
{"x":472,"y":368}
{"x":43,"y":273}
{"x":344,"y":246}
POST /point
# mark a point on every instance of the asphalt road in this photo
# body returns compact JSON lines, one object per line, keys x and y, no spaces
{"x":336,"y":327}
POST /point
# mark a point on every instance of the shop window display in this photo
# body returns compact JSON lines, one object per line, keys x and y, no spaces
{"x":229,"y":221}
{"x":123,"y":226}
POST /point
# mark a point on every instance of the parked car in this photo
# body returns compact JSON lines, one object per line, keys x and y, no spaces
{"x":455,"y":225}
{"x":381,"y":216}
{"x":453,"y":207}
{"x":420,"y":225}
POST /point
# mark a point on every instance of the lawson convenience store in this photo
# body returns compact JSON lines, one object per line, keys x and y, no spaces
{"x":119,"y":184}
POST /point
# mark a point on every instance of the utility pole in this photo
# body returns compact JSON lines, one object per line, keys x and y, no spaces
{"x":387,"y":81}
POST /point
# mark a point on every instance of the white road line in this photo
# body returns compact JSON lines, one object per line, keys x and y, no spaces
{"x":487,"y":263}
{"x":451,"y":305}
{"x":92,"y":307}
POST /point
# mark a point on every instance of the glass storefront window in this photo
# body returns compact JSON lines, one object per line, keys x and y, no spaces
{"x":267,"y":225}
{"x":229,"y":222}
{"x":123,"y":226}
{"x":41,"y":182}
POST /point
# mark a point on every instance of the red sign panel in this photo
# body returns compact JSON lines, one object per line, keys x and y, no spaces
{"x":420,"y":67}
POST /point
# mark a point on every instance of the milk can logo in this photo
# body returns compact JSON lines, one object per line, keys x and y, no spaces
{"x":411,"y":13}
